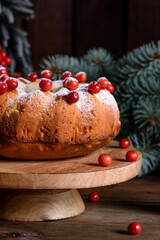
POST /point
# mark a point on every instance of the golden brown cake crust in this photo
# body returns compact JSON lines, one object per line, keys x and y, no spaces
{"x":42,"y":125}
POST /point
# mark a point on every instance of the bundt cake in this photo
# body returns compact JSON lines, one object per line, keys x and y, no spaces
{"x":36,"y":124}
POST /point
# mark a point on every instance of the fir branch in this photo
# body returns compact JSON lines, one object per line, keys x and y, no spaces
{"x":135,"y":62}
{"x":19,"y":8}
{"x":14,"y":42}
{"x":13,"y":39}
{"x":137,"y":88}
{"x":150,"y":148}
{"x":101,"y":59}
{"x":61,"y":63}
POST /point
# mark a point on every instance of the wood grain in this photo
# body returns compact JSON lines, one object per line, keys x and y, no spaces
{"x":135,"y":200}
{"x":80,"y":172}
{"x":30,"y":205}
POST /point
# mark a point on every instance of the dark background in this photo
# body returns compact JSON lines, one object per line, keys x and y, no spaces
{"x":74,"y":26}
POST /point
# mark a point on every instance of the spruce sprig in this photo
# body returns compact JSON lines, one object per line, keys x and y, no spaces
{"x":95,"y":63}
{"x":12,"y":38}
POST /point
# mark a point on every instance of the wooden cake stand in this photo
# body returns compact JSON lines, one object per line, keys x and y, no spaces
{"x":46,"y":190}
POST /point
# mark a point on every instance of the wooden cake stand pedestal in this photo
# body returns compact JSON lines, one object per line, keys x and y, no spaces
{"x":46,"y":190}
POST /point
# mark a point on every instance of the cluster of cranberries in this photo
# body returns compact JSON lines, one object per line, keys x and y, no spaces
{"x":72,"y":84}
{"x":4,"y":59}
{"x":94,"y":87}
{"x":131,"y":156}
{"x":45,"y":82}
{"x":6,"y":82}
{"x":101,"y":83}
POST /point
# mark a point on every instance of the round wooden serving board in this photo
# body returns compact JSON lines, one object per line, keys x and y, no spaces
{"x":73,"y":173}
{"x":40,"y":190}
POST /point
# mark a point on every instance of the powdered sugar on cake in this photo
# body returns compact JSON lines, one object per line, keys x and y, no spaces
{"x":86,"y":102}
{"x":105,"y":97}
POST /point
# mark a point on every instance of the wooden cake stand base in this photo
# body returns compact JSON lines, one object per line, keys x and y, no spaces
{"x":40,"y":190}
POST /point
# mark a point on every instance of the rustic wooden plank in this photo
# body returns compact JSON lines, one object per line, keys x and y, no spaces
{"x":143,"y":22}
{"x":100,"y":221}
{"x":139,"y":190}
{"x":100,"y":23}
{"x":51,"y":30}
{"x":106,"y":219}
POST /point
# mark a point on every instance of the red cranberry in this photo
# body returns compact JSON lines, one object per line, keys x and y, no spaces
{"x":93,"y":197}
{"x":105,"y":160}
{"x":94,"y":87}
{"x":64,"y":82}
{"x":124,"y":143}
{"x":73,"y":97}
{"x":3,"y":71}
{"x":12,"y":83}
{"x":3,"y":54}
{"x":3,"y":63}
{"x":134,"y":228}
{"x":81,"y":77}
{"x":3,"y":77}
{"x":32,"y":76}
{"x":131,"y":156}
{"x":46,"y":74}
{"x":110,"y":88}
{"x":45,"y":84}
{"x":3,"y":87}
{"x":103,"y":82}
{"x":66,"y":74}
{"x":8,"y":61}
{"x":17,"y":75}
{"x":71,"y":83}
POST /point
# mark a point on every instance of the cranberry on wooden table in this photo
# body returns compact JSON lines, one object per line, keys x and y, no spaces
{"x":105,"y":160}
{"x":93,"y":197}
{"x":131,"y":156}
{"x":134,"y":228}
{"x":124,"y":143}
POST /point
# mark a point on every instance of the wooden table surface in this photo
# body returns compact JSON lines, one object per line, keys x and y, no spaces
{"x":119,"y":205}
